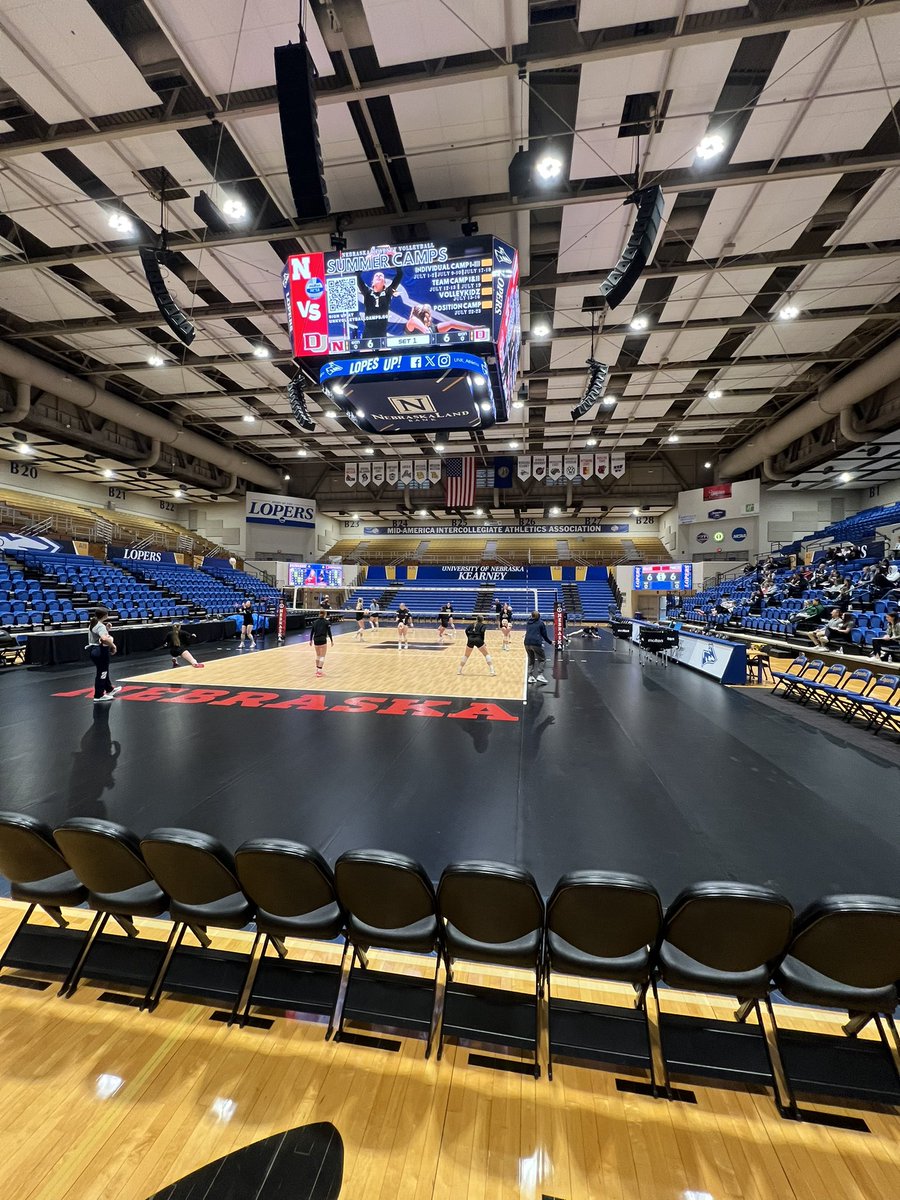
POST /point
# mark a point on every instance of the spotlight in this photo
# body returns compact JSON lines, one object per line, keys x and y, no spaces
{"x":260,"y":351}
{"x":790,"y":312}
{"x":548,"y":167}
{"x":714,"y":394}
{"x":297,"y":401}
{"x":521,"y":397}
{"x":540,"y":330}
{"x":120,"y":222}
{"x":845,"y":477}
{"x":708,"y":465}
{"x":249,"y":418}
{"x":369,"y":450}
{"x":635,"y":512}
{"x":485,"y":406}
{"x":594,"y":390}
{"x":234,"y":208}
{"x":156,"y":360}
{"x":710,"y":146}
{"x":638,"y":323}
{"x":591,"y":442}
{"x":513,"y":445}
{"x":673,"y":437}
{"x":423,"y":512}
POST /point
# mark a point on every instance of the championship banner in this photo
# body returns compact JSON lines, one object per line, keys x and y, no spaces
{"x":406,"y":472}
{"x":350,"y":474}
{"x":601,"y":465}
{"x":420,"y":471}
{"x":586,"y":465}
{"x":365,"y":474}
{"x":617,"y":463}
{"x":523,"y":467}
{"x":554,"y":466}
{"x":391,"y":472}
{"x":539,"y":466}
{"x":434,"y":470}
{"x":570,"y":467}
{"x":377,"y":473}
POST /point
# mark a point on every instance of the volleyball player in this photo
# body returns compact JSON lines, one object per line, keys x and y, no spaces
{"x":360,"y":619}
{"x":177,"y":643}
{"x":506,"y":625}
{"x":319,"y":637}
{"x":475,"y":641}
{"x":443,"y":623}
{"x":247,"y":622}
{"x":404,"y":625}
{"x":374,"y":614}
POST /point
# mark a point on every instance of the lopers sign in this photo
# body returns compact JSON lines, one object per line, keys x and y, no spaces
{"x":293,"y":511}
{"x":129,"y":554}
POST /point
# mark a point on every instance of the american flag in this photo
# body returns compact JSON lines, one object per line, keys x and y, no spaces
{"x":459,"y":482}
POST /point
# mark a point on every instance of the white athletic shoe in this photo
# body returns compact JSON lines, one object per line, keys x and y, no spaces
{"x":459,"y":670}
{"x":493,"y":672}
{"x":116,"y":691}
{"x":104,"y":699}
{"x":531,"y":679}
{"x":540,"y":679}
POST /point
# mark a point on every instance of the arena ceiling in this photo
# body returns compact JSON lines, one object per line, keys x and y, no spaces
{"x":422,"y":103}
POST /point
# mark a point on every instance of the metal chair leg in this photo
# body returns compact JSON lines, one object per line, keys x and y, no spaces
{"x":55,"y":914}
{"x":70,"y":983}
{"x":340,"y":1028}
{"x":857,"y":1022}
{"x":245,"y":997}
{"x":200,"y":934}
{"x":744,"y":1011}
{"x":785,"y":1100}
{"x":440,"y":1049}
{"x":538,"y":996}
{"x":151,"y":999}
{"x":279,"y":945}
{"x":549,"y":1023}
{"x":659,"y":1068}
{"x":890,"y":1038}
{"x":337,"y":994}
{"x":127,"y":924}
{"x":434,"y":997}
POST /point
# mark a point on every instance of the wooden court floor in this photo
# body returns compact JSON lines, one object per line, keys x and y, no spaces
{"x":374,"y":665}
{"x":102,"y":1102}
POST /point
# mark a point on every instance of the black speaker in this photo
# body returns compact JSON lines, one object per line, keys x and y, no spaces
{"x":295,"y":77}
{"x":209,"y":214}
{"x":172,"y":314}
{"x":594,"y":390}
{"x":298,"y":404}
{"x":627,"y":270}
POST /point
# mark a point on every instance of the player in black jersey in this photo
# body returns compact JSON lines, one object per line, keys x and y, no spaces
{"x":475,"y":641}
{"x":444,"y":624}
{"x":319,"y":637}
{"x":404,"y":625}
{"x":377,"y":297}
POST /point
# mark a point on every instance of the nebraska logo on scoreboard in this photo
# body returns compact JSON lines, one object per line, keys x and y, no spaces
{"x":305,"y":301}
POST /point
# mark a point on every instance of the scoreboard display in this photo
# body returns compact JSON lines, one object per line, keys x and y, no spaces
{"x":677,"y":577}
{"x":316,"y":575}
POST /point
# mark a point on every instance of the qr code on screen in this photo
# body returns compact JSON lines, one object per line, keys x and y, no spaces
{"x":342,"y":296}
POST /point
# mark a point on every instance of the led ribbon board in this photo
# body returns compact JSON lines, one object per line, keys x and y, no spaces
{"x":407,"y":298}
{"x":404,"y":393}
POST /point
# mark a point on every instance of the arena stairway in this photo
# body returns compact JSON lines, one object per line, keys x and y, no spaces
{"x":596,"y":596}
{"x":571,"y":599}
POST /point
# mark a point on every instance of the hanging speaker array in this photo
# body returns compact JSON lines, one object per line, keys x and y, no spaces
{"x":297,"y":400}
{"x":295,"y":76}
{"x":173,"y":316}
{"x":594,"y":390}
{"x":627,"y":270}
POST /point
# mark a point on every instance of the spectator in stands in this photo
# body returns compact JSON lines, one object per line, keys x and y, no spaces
{"x":809,"y":617}
{"x":100,"y":646}
{"x":177,"y":642}
{"x":319,"y":637}
{"x":535,"y":636}
{"x":897,"y":548}
{"x":475,"y":634}
{"x":755,"y":603}
{"x":796,"y":586}
{"x":887,"y":647}
{"x":833,"y":585}
{"x":844,"y":597}
{"x":837,"y":631}
{"x":247,"y":623}
{"x":881,"y":582}
{"x":232,"y":562}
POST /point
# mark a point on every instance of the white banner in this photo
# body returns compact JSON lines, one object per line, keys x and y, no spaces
{"x":350,"y":474}
{"x":554,"y":466}
{"x":570,"y":468}
{"x":406,"y":471}
{"x":585,"y":465}
{"x":365,"y":474}
{"x":601,"y":465}
{"x":434,"y":470}
{"x":377,"y":473}
{"x":265,"y":509}
{"x":391,"y":472}
{"x":421,"y":470}
{"x":539,"y":466}
{"x":523,"y":466}
{"x":617,"y":464}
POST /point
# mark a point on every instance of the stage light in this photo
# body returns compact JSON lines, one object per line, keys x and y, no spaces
{"x":548,"y":167}
{"x":368,"y":450}
{"x":790,"y":312}
{"x":845,"y":477}
{"x":485,"y":406}
{"x":156,"y":360}
{"x":479,"y":512}
{"x":108,"y":474}
{"x":591,"y":442}
{"x":540,"y":330}
{"x":673,"y":437}
{"x":513,"y":445}
{"x":637,"y":323}
{"x":708,"y":465}
{"x":710,"y":146}
{"x":715,"y":394}
{"x":120,"y":222}
{"x":234,"y":208}
{"x":594,"y":390}
{"x":260,"y":351}
{"x":249,"y":418}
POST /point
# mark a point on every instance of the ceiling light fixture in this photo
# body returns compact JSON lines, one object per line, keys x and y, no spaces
{"x":789,"y":312}
{"x":249,"y":418}
{"x":260,"y":351}
{"x":368,"y":450}
{"x":354,"y":516}
{"x":108,"y":474}
{"x":711,"y":145}
{"x":423,"y":512}
{"x":234,"y":208}
{"x":714,"y":394}
{"x":517,"y":404}
{"x":708,"y":465}
{"x":592,"y":442}
{"x":513,"y":445}
{"x":120,"y":222}
{"x":302,"y":453}
{"x":673,"y":437}
{"x":287,"y":477}
{"x":845,"y":477}
{"x":638,"y":323}
{"x":439,"y":447}
{"x":635,"y":512}
{"x":554,"y":512}
{"x":479,"y":512}
{"x":548,"y":167}
{"x":24,"y":448}
{"x":540,"y":330}
{"x":156,"y":360}
{"x":178,"y":494}
{"x":609,"y":401}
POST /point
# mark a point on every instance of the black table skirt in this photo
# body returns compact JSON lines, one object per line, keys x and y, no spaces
{"x":49,"y":649}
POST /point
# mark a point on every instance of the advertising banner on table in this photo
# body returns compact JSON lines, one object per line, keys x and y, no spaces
{"x":601,"y":465}
{"x":554,"y":467}
{"x":350,"y":474}
{"x":434,"y":470}
{"x":391,"y":472}
{"x":570,"y":466}
{"x":617,"y":464}
{"x":523,"y":467}
{"x":539,"y":466}
{"x":365,"y":474}
{"x":377,"y":474}
{"x":406,"y":472}
{"x":585,"y":465}
{"x":263,"y":508}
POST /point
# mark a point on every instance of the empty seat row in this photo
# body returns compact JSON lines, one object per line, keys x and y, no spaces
{"x":721,"y":938}
{"x":830,"y":687}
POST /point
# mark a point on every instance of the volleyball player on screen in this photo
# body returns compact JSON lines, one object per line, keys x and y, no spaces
{"x":423,"y":319}
{"x":377,"y":297}
{"x":319,"y":637}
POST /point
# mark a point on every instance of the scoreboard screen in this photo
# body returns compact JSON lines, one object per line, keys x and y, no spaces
{"x":677,"y":577}
{"x":315,"y":575}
